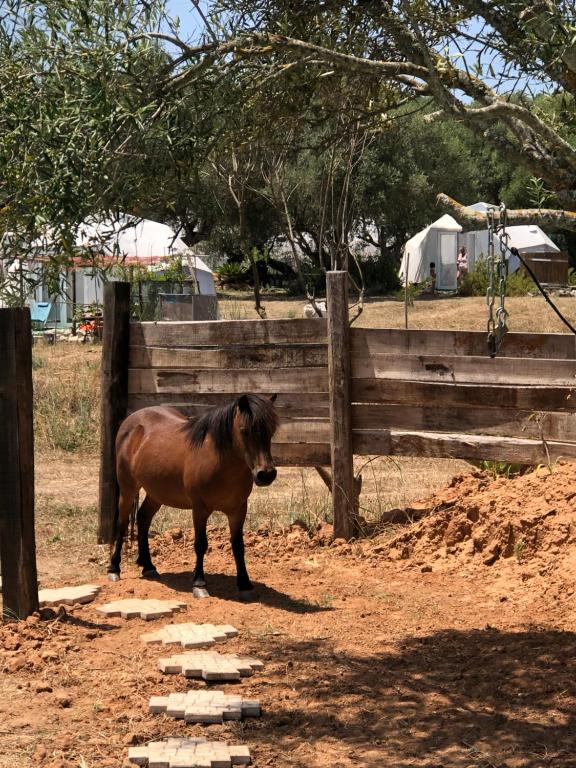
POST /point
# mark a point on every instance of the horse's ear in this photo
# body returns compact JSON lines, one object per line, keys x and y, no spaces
{"x":244,"y":404}
{"x":273,"y":398}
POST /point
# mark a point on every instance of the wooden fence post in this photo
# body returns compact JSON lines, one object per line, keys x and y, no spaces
{"x":343,"y":492}
{"x":17,"y":540}
{"x":114,"y":394}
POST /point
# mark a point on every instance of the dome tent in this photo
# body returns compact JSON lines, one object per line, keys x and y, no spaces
{"x":438,"y":244}
{"x":528,"y":239}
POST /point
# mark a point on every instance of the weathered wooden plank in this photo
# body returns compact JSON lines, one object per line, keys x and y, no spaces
{"x":17,"y":538}
{"x":114,"y":391}
{"x":462,"y":369}
{"x":459,"y":446}
{"x":303,"y":431}
{"x":530,"y":398}
{"x":506,"y":422}
{"x":225,"y":332}
{"x":245,"y":357}
{"x":432,"y":342}
{"x":313,"y":404}
{"x":302,"y":380}
{"x":301,"y":455}
{"x":340,"y":415}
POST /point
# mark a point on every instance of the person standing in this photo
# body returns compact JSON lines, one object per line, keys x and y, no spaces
{"x":461,"y":265}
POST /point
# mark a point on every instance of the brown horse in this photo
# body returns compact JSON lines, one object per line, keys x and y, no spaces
{"x":203,"y":464}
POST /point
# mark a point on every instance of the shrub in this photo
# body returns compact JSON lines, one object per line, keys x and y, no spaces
{"x":475,"y":282}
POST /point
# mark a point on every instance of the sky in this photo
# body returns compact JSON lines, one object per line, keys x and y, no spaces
{"x":190,"y":21}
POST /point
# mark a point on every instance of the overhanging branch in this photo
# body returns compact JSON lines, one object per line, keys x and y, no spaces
{"x":547,"y":217}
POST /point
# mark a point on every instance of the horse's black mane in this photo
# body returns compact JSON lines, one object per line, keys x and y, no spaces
{"x":260,"y":418}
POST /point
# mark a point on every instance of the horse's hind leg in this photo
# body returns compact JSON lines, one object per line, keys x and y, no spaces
{"x":125,"y":507}
{"x":200,"y":517}
{"x":147,"y":510}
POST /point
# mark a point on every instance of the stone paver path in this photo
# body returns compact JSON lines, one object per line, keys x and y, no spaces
{"x":191,"y":635}
{"x":210,"y":665}
{"x":189,"y":753}
{"x":85,"y":593}
{"x":205,"y":706}
{"x":143,"y":609}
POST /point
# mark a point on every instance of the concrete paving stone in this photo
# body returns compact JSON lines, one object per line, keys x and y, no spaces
{"x":191,"y":635}
{"x":239,"y":754}
{"x":209,"y":665}
{"x":189,"y":753}
{"x":204,"y":706}
{"x":84,"y":593}
{"x":145,"y":609}
{"x":158,"y":704}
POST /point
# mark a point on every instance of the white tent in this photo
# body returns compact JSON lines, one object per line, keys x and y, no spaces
{"x":126,"y":240}
{"x":437,"y":244}
{"x":527,"y":238}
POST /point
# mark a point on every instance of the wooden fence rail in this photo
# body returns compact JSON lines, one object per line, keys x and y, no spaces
{"x":344,"y":391}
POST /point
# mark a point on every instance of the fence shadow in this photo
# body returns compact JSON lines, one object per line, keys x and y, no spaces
{"x":454,"y":699}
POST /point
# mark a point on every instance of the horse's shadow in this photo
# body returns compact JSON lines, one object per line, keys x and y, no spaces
{"x":223,"y":586}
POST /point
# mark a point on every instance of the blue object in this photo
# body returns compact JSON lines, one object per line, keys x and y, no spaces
{"x":39,"y":311}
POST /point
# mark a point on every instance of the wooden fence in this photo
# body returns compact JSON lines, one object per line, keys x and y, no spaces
{"x":347,"y":391}
{"x":17,"y":542}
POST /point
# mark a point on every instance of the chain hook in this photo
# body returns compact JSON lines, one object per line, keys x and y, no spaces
{"x":497,"y":324}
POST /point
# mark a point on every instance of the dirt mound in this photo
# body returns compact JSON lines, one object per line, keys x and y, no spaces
{"x":526,"y":518}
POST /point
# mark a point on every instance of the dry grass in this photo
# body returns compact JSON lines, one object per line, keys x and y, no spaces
{"x":66,"y":397}
{"x":467,"y":313}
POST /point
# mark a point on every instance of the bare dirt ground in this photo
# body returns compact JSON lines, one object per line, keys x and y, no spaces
{"x":448,"y":642}
{"x":405,"y":650}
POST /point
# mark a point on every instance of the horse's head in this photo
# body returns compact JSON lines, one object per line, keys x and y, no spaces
{"x":255,"y":421}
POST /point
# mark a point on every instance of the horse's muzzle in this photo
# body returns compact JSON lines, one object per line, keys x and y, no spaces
{"x":265,"y":476}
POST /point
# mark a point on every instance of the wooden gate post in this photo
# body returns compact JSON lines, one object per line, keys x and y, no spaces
{"x":343,"y":492}
{"x":114,"y":395}
{"x":17,"y":540}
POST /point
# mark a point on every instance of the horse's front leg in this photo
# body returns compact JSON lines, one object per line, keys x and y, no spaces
{"x":200,"y":516}
{"x":236,"y":522}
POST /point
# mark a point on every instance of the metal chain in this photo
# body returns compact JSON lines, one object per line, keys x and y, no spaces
{"x":497,"y":276}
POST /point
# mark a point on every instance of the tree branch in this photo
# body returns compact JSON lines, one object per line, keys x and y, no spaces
{"x":547,"y":217}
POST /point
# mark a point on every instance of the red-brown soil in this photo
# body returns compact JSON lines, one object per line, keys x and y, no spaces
{"x":447,"y":643}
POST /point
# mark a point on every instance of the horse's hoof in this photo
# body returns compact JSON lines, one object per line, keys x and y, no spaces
{"x":200,"y":592}
{"x":151,"y":574}
{"x":113,"y":577}
{"x":247,"y":596}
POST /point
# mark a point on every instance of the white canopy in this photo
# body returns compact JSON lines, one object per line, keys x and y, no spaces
{"x":130,"y":238}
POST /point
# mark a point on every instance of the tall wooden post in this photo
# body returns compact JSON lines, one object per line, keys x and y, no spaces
{"x":17,"y":540}
{"x":114,"y":395}
{"x":343,"y":492}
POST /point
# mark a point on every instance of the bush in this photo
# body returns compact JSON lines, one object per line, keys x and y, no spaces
{"x":475,"y":282}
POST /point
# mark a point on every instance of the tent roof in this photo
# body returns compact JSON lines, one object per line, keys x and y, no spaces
{"x":530,"y":236}
{"x":446,"y":222}
{"x":130,"y":240}
{"x":482,"y":207}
